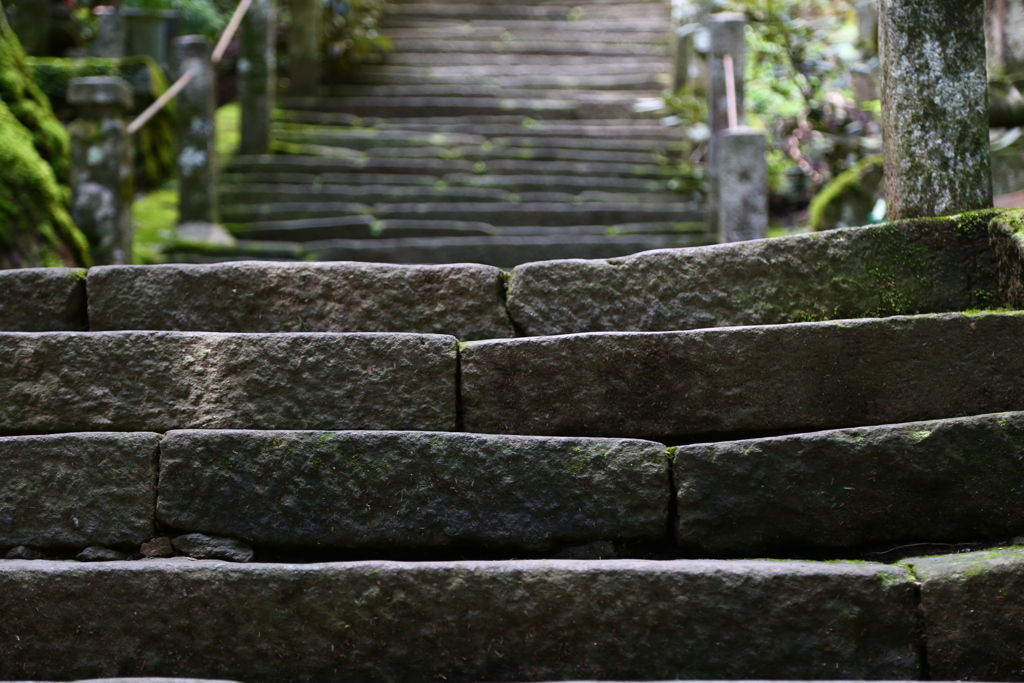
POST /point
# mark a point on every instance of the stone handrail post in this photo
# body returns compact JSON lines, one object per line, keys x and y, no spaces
{"x":196,"y":130}
{"x":257,"y":69}
{"x":726,"y":32}
{"x":102,"y":171}
{"x":110,"y":32}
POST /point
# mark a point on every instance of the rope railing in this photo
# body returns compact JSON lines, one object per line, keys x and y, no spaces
{"x":186,"y":78}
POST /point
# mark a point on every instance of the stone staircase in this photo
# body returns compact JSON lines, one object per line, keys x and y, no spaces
{"x":495,"y":133}
{"x":562,"y":472}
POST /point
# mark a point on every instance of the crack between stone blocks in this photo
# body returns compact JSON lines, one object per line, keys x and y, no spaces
{"x":924,"y":672}
{"x":673,"y":505}
{"x":459,"y":410}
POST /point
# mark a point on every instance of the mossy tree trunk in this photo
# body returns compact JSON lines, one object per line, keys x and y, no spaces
{"x":35,"y":227}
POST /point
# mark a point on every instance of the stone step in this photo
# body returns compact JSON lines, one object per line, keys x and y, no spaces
{"x":569,"y":13}
{"x":926,"y":266}
{"x":321,"y":165}
{"x":81,"y":381}
{"x":556,"y":62}
{"x":594,"y":105}
{"x":735,"y":382}
{"x":490,"y":127}
{"x":528,"y":46}
{"x":487,"y":152}
{"x":373,"y":138}
{"x":642,"y":81}
{"x":528,"y":26}
{"x":243,"y":196}
{"x":465,"y":300}
{"x":584,"y":68}
{"x":501,"y":251}
{"x":43,"y":300}
{"x":426,"y":90}
{"x":940,"y":481}
{"x":412,"y":495}
{"x":560,"y":33}
{"x":366,"y":228}
{"x":556,"y":620}
{"x":510,"y":183}
{"x":495,"y":213}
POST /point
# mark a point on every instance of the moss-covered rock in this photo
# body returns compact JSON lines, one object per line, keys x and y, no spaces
{"x":848,"y":200}
{"x":154,"y":143}
{"x":35,"y":227}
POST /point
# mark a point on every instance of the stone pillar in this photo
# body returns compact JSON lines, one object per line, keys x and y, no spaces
{"x":197,"y":145}
{"x":32,"y":23}
{"x":257,"y":70}
{"x":743,"y":174}
{"x":727,"y":36}
{"x":867,"y":25}
{"x":102,"y":172}
{"x":684,"y":19}
{"x":934,"y":107}
{"x":304,"y":48}
{"x":110,"y":33}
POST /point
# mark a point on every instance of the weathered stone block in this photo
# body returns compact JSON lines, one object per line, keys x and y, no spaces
{"x":943,"y":481}
{"x":409,"y":492}
{"x":465,"y":301}
{"x":77,"y":490}
{"x":156,"y":381}
{"x":925,"y":266}
{"x":43,"y":299}
{"x":972,"y":605}
{"x":747,"y":380}
{"x":467,"y":621}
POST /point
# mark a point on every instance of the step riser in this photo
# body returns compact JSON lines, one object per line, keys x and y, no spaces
{"x":460,"y":300}
{"x":497,"y":251}
{"x":376,"y":620}
{"x":528,"y":47}
{"x":733,"y":381}
{"x":202,"y":380}
{"x":899,"y":268}
{"x":417,"y":494}
{"x":509,"y":214}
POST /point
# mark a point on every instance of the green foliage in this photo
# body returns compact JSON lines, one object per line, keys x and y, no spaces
{"x":35,"y":227}
{"x":849,"y":199}
{"x":798,"y":89}
{"x":352,"y":34}
{"x":155,"y":143}
{"x":202,"y":17}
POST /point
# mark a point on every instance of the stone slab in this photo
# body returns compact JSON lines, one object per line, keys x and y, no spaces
{"x":157,"y":381}
{"x":745,"y":381}
{"x":403,"y":493}
{"x":467,"y":621}
{"x":466,"y":301}
{"x":43,"y":299}
{"x":972,"y":605}
{"x":926,"y":266}
{"x":77,"y":490}
{"x":939,"y":481}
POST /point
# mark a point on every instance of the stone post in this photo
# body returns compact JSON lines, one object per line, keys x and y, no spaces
{"x":867,"y":24}
{"x":684,"y":19}
{"x":934,"y":107}
{"x":110,"y":33}
{"x":197,"y":144}
{"x":743,"y":175}
{"x":727,"y":35}
{"x":257,"y":69}
{"x":304,"y":48}
{"x":102,"y":171}
{"x":32,"y":23}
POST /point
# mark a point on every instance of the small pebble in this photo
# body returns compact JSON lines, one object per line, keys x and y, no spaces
{"x":97,"y":553}
{"x":158,"y":547}
{"x":23,"y":552}
{"x":203,"y":547}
